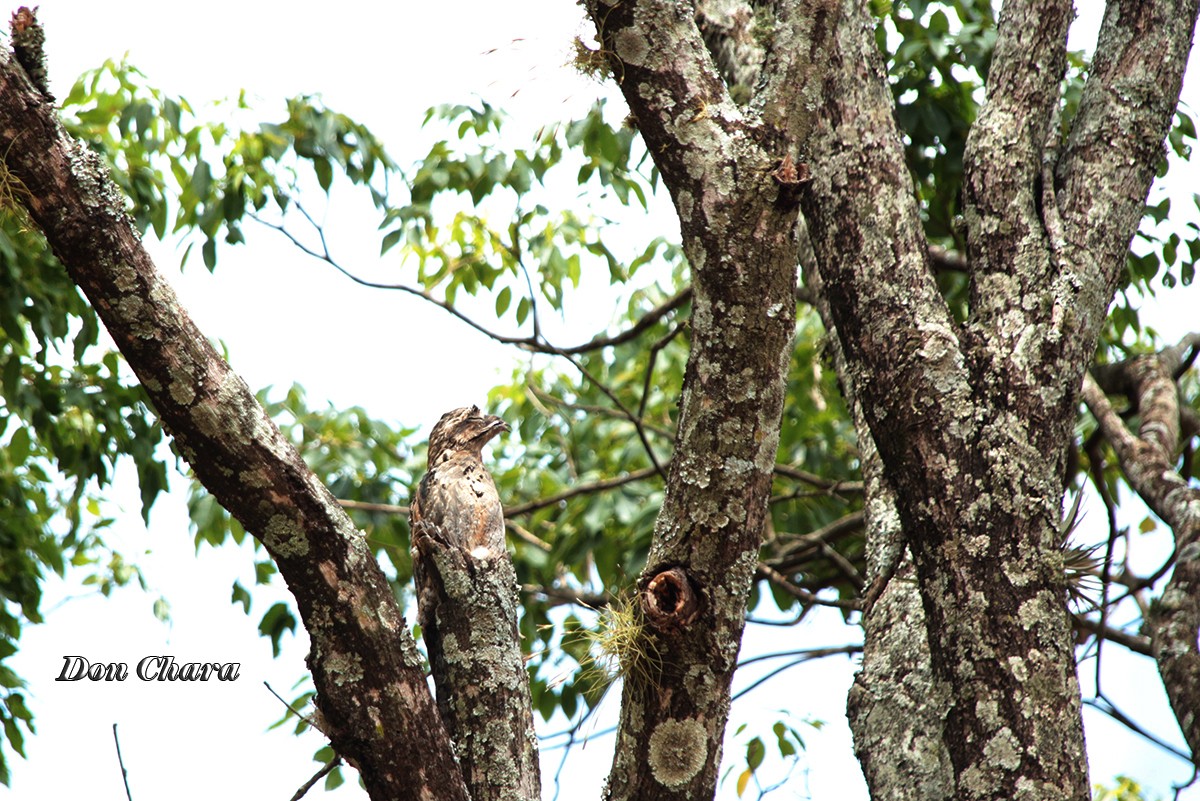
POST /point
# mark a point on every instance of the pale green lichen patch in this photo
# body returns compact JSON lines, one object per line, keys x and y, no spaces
{"x":182,"y":392}
{"x":678,"y":750}
{"x":254,"y":479}
{"x":1004,"y":750}
{"x":344,"y":668}
{"x":631,"y":46}
{"x":1033,"y":612}
{"x":132,"y":310}
{"x":284,"y":537}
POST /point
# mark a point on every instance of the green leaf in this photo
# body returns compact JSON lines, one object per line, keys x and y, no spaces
{"x":162,"y":609}
{"x":390,"y":239}
{"x":241,"y":596}
{"x":19,"y":445}
{"x":324,"y":172}
{"x":502,"y":300}
{"x":275,"y":622}
{"x":755,"y":751}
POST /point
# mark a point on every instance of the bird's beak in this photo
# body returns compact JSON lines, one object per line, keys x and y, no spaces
{"x":492,"y":426}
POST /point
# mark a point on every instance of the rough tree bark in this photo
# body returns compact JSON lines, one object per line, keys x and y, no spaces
{"x":375,"y":705}
{"x":732,"y":177}
{"x":897,"y":706}
{"x":971,"y":421}
{"x":1147,"y":461}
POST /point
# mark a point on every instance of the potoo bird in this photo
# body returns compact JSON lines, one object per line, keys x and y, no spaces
{"x":457,"y":496}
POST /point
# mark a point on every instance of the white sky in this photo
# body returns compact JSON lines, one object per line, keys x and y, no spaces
{"x":287,"y":319}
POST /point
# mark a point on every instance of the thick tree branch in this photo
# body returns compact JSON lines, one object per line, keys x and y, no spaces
{"x":1114,"y":148}
{"x":976,"y":481}
{"x":469,"y":617}
{"x":800,"y":42}
{"x":365,"y":666}
{"x":1003,"y":159}
{"x":1148,"y":463}
{"x":896,"y":706}
{"x":1134,"y":642}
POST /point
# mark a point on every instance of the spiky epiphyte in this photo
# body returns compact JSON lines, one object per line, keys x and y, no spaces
{"x":617,"y":647}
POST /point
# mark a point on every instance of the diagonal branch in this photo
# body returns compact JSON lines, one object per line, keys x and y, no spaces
{"x":534,"y":343}
{"x":1115,"y":146}
{"x":579,"y":489}
{"x":241,"y":458}
{"x":737,"y":206}
{"x":1147,"y":462}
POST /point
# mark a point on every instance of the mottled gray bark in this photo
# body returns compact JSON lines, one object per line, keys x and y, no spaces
{"x":971,"y":421}
{"x":737,"y":212}
{"x":1148,"y":461}
{"x":896,"y":706}
{"x":469,"y":619}
{"x":365,"y":665}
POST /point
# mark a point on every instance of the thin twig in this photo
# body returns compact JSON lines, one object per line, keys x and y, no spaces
{"x":320,"y":774}
{"x":633,"y":332}
{"x":816,"y":653}
{"x":564,"y":595}
{"x":803,"y":595}
{"x":795,"y":552}
{"x":637,"y":422}
{"x":291,"y":709}
{"x":533,"y":344}
{"x":811,"y":653}
{"x":1133,"y":642}
{"x":1107,"y":707}
{"x":364,"y":506}
{"x":579,"y":489}
{"x":830,"y":487}
{"x":654,"y":349}
{"x":546,"y":397}
{"x":527,"y":536}
{"x":121,"y":762}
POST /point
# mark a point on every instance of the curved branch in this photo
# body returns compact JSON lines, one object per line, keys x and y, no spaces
{"x":804,"y":596}
{"x":829,"y":487}
{"x":798,"y":549}
{"x":1134,"y":642}
{"x":645,"y":322}
{"x":534,"y":343}
{"x":1147,"y":464}
{"x":1115,"y":146}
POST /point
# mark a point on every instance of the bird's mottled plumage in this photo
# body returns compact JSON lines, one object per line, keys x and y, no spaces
{"x":457,"y":495}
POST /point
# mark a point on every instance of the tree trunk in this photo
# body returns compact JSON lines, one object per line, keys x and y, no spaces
{"x":736,"y":199}
{"x":971,"y":421}
{"x":897,"y":706}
